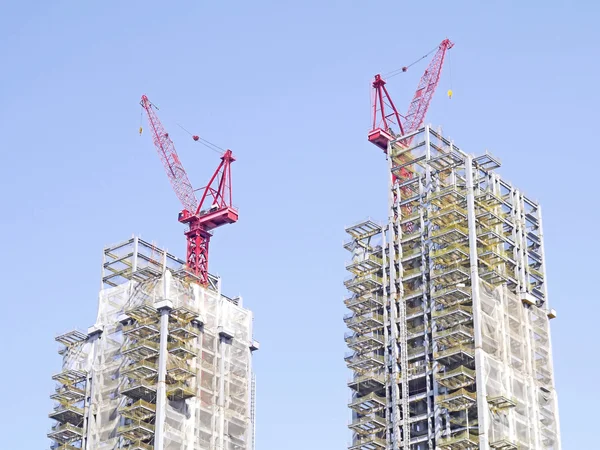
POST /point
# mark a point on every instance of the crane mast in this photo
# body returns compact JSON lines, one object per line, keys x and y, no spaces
{"x":215,"y":207}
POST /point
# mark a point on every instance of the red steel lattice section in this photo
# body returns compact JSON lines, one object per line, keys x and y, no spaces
{"x":168,"y":156}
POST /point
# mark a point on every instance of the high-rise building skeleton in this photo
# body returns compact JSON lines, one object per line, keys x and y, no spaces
{"x":167,"y":365}
{"x":450,"y":339}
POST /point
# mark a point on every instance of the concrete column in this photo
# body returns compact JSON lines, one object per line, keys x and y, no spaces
{"x":225,"y":339}
{"x":94,"y":336}
{"x":482,"y":407}
{"x":221,"y":401}
{"x":543,"y":255}
{"x":164,"y":307}
{"x":521,"y":242}
{"x":433,"y":186}
{"x":391,"y":301}
{"x":429,"y":378}
{"x":134,"y":261}
{"x":550,"y":357}
{"x":386,"y":334}
{"x":253,"y":415}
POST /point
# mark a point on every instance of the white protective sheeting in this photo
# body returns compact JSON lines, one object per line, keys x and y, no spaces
{"x":193,"y":424}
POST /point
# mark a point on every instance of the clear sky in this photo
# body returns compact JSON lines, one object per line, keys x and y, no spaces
{"x":285,"y":85}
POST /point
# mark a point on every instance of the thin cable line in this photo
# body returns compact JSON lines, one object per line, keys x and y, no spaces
{"x":393,"y":73}
{"x":207,"y":144}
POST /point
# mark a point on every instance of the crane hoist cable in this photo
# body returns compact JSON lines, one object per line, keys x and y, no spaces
{"x":450,"y":92}
{"x":215,"y":148}
{"x":206,"y":143}
{"x":403,"y":69}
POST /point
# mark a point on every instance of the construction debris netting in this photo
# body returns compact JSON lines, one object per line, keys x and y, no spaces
{"x":513,"y":378}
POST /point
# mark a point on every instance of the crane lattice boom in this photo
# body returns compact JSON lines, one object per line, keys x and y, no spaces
{"x":168,"y":156}
{"x":425,"y":90}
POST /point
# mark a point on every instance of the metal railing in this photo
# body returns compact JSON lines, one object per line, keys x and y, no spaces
{"x":367,"y":377}
{"x":457,"y":329}
{"x":66,"y":427}
{"x":469,"y":436}
{"x":139,"y":404}
{"x":131,"y":346}
{"x":138,"y":445}
{"x":459,"y":393}
{"x":448,"y":249}
{"x":66,"y":407}
{"x":450,"y":227}
{"x":150,"y":385}
{"x":461,"y":370}
{"x":136,"y":425}
{"x":452,"y":309}
{"x":468,"y":349}
{"x":352,"y":319}
{"x":465,"y":290}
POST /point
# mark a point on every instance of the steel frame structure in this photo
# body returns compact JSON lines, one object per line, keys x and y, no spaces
{"x":160,"y":339}
{"x":450,"y":319}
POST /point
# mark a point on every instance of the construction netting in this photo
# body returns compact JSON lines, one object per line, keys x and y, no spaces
{"x":517,"y":371}
{"x":206,"y":420}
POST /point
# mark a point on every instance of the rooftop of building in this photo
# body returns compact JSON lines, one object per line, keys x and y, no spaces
{"x":140,"y":260}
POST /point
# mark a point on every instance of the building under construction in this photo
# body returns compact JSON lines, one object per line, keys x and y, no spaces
{"x":449,"y":314}
{"x":166,"y":366}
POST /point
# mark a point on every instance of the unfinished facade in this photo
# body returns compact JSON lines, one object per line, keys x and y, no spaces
{"x":167,"y":364}
{"x":449,"y":316}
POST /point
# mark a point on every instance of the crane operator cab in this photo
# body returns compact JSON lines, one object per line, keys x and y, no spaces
{"x":184,"y":215}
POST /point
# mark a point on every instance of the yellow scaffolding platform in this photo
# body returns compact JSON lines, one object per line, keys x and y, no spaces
{"x":368,"y":443}
{"x":368,"y":404}
{"x":367,"y":382}
{"x":457,"y":400}
{"x":139,"y":411}
{"x":137,"y":430}
{"x":457,"y":378}
{"x":464,"y":440}
{"x":368,"y":425}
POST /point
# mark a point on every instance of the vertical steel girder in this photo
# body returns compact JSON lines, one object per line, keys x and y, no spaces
{"x":197,"y":253}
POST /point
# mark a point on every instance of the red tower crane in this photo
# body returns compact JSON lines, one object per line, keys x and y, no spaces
{"x":385,"y":115}
{"x":214,"y":208}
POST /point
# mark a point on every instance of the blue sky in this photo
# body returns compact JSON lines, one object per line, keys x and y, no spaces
{"x":285,"y":85}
